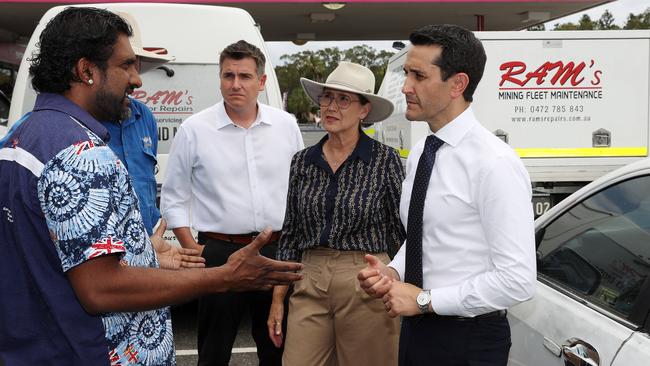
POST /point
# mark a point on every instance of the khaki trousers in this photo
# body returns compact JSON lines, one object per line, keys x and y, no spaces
{"x":332,"y":321}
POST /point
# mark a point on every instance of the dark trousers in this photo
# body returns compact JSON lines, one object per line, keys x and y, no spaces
{"x":219,"y":315}
{"x":440,"y":341}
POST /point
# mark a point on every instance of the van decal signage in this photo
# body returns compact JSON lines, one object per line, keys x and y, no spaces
{"x":551,"y":101}
{"x":166,"y":101}
{"x":551,"y":74}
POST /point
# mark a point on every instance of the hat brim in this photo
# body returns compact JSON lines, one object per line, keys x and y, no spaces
{"x":150,"y":60}
{"x":381,"y":108}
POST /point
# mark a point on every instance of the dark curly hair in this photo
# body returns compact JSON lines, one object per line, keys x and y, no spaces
{"x":242,"y":49}
{"x":73,"y":34}
{"x":461,"y":52}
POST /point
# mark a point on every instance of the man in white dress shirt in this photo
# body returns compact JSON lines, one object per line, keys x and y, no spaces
{"x":473,"y":240}
{"x":229,"y":165}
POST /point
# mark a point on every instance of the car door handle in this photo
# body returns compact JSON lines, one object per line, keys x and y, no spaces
{"x":576,"y":352}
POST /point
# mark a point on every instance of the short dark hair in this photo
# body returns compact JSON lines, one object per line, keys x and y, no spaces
{"x":242,"y":49}
{"x":461,"y":52}
{"x":73,"y":34}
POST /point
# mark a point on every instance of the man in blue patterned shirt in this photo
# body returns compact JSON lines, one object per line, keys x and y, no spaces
{"x":79,"y":278}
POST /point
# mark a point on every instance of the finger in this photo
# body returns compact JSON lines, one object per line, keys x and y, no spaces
{"x":260,"y":240}
{"x":367,"y":273}
{"x":192,"y":265}
{"x":280,"y":278}
{"x":187,"y":251}
{"x":192,"y":258}
{"x":280,"y":266}
{"x":160,"y":230}
{"x":371,"y":260}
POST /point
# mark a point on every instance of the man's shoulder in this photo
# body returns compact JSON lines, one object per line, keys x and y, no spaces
{"x":201,"y":117}
{"x":278,"y":114}
{"x":47,"y":132}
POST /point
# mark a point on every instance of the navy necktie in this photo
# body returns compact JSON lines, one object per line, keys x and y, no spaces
{"x":413,"y":268}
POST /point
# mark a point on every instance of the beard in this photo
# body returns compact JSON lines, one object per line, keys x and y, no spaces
{"x":111,"y":107}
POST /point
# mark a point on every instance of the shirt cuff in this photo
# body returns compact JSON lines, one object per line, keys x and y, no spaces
{"x":176,"y":220}
{"x":444,"y":301}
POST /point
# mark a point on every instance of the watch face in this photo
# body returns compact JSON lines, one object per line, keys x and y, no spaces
{"x":423,"y":298}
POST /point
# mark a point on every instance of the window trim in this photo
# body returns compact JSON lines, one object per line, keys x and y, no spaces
{"x":639,"y":317}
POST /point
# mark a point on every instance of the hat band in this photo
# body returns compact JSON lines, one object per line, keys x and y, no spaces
{"x":351,"y":86}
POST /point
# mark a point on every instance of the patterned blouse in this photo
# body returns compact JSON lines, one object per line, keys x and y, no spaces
{"x":356,"y":208}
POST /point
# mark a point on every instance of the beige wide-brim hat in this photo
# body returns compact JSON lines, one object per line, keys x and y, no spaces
{"x":353,"y":78}
{"x":150,"y":60}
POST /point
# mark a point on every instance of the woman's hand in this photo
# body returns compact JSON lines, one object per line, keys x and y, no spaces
{"x":274,"y":323}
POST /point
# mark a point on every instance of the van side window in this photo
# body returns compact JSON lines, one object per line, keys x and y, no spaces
{"x":600,"y":248}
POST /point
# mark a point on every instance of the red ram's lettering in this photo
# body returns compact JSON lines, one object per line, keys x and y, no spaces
{"x":559,"y":73}
{"x":567,"y":72}
{"x":596,"y":80}
{"x":166,"y":97}
{"x":513,"y":68}
{"x":538,"y":74}
{"x":139,"y":94}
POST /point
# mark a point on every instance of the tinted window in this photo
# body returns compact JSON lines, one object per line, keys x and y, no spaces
{"x":600,"y":248}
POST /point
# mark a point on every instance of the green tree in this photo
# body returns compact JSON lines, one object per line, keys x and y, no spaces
{"x":639,"y":21}
{"x":316,"y":65}
{"x":606,"y":21}
{"x":585,"y":23}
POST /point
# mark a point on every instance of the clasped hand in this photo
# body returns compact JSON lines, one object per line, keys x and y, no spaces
{"x":382,"y":282}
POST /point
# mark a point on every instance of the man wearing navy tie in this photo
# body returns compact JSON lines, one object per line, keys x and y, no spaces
{"x":466,"y":202}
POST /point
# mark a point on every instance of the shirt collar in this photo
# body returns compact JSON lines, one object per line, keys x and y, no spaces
{"x":453,"y":132}
{"x":363,"y":150}
{"x":57,"y":102}
{"x":224,"y":120}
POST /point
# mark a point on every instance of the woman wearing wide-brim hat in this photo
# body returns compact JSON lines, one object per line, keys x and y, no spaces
{"x":343,"y":202}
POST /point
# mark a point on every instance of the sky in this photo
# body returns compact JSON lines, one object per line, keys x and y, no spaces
{"x":620,"y":9}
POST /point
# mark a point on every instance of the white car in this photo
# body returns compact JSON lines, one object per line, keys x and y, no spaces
{"x":592,"y":304}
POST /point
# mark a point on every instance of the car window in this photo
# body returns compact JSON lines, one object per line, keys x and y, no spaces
{"x":600,"y":248}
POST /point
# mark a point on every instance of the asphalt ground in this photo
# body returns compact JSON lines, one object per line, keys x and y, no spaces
{"x":184,"y":326}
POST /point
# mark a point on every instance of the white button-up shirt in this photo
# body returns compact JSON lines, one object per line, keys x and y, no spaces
{"x":478,"y":245}
{"x":233,"y":180}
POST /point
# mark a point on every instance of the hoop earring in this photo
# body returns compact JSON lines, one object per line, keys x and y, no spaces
{"x":90,"y":81}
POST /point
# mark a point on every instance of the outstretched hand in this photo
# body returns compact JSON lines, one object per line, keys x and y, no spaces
{"x":172,"y":257}
{"x":248,"y":270}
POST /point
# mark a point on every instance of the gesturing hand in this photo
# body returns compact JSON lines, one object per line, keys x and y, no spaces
{"x":172,"y":257}
{"x":248,"y":270}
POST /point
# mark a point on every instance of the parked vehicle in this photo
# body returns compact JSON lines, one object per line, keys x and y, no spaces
{"x":194,"y":35}
{"x":5,"y":103}
{"x":574,"y":105}
{"x":592,"y":304}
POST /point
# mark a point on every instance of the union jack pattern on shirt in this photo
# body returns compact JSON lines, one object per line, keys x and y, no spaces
{"x":91,"y":210}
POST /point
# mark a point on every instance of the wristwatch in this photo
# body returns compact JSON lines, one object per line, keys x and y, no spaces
{"x":423,"y":300}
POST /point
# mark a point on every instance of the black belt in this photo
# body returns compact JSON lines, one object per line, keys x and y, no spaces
{"x":492,"y":315}
{"x":243,"y":239}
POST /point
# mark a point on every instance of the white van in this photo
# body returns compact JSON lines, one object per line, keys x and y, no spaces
{"x":574,"y":105}
{"x":195,"y":36}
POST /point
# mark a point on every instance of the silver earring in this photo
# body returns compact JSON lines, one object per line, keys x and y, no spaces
{"x":90,"y":81}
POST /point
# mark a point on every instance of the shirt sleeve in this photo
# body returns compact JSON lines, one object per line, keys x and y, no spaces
{"x":288,"y":244}
{"x":78,"y":193}
{"x":504,"y":199}
{"x":397,"y":233}
{"x":176,"y":191}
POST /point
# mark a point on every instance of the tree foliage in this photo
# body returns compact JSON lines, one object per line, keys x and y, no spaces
{"x":317,"y":65}
{"x":639,"y":21}
{"x":607,"y":22}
